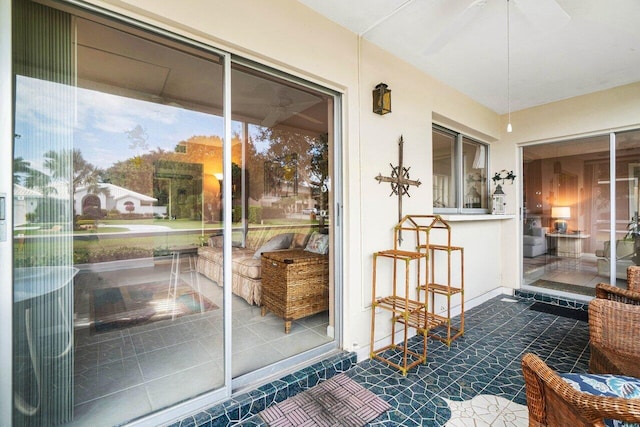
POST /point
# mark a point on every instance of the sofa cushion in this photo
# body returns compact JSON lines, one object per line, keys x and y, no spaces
{"x":244,"y":264}
{"x":533,"y":240}
{"x":605,"y":385}
{"x":280,"y":241}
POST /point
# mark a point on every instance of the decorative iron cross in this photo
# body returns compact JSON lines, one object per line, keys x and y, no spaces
{"x":400,"y":182}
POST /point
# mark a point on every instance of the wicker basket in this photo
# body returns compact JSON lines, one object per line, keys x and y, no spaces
{"x":295,"y":284}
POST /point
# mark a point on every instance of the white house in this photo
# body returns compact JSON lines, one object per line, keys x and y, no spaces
{"x":111,"y":197}
{"x":25,"y":202}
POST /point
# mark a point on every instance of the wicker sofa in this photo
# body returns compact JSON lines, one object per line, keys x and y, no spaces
{"x":246,"y":278}
{"x":551,"y":401}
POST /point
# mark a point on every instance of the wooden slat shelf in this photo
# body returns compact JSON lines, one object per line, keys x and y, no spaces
{"x":399,"y":305}
{"x":441,"y":289}
{"x":412,"y":312}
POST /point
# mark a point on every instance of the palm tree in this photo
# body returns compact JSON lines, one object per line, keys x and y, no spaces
{"x":20,"y":167}
{"x":69,"y":166}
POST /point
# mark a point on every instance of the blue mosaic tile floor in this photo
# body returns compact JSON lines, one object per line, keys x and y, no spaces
{"x":479,"y":376}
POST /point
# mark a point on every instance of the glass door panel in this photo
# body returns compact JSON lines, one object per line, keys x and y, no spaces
{"x":627,"y":203}
{"x":116,"y":148}
{"x":566,"y":205}
{"x":281,"y":185}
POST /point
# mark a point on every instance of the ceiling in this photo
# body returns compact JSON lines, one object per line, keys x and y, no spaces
{"x":130,"y":63}
{"x":558,"y":49}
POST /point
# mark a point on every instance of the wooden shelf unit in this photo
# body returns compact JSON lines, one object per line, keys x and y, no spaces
{"x":447,"y":289}
{"x":404,"y":310}
{"x":424,"y":227}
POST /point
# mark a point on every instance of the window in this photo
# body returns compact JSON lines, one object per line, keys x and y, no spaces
{"x":460,"y":181}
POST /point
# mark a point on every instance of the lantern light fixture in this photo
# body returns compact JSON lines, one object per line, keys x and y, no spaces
{"x":499,"y":202}
{"x":381,"y":99}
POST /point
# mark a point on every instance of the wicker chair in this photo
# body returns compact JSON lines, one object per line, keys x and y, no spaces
{"x":631,"y":295}
{"x":633,"y":278}
{"x":613,"y":293}
{"x":614,"y":330}
{"x":553,"y":402}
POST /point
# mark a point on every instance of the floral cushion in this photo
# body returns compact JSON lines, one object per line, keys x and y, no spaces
{"x":318,"y":243}
{"x":606,"y":385}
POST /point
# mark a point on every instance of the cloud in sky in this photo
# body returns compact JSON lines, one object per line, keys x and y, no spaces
{"x":97,"y":122}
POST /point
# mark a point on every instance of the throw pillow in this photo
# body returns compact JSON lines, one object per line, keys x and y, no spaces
{"x":281,"y":241}
{"x":299,"y":240}
{"x":318,"y":243}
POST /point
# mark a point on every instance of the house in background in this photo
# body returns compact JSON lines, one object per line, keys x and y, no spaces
{"x":26,"y":203}
{"x":110,"y":197}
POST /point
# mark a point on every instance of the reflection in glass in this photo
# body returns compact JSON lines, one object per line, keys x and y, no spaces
{"x":574,"y":225}
{"x":444,"y":182}
{"x":118,"y":178}
{"x":475,"y":161}
{"x":281,"y":196}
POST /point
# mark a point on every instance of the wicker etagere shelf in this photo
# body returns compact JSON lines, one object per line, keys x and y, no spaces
{"x":444,"y":285}
{"x":407,"y":307}
{"x":404,"y":310}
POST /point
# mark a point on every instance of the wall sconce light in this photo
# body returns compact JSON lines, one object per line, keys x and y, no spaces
{"x":381,"y":99}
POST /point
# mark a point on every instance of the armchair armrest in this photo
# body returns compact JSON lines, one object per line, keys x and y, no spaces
{"x":613,"y":293}
{"x":553,"y":402}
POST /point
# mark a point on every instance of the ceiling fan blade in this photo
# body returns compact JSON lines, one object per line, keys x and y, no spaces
{"x":454,"y":27}
{"x":272,"y":117}
{"x":545,"y":15}
{"x":309,"y":118}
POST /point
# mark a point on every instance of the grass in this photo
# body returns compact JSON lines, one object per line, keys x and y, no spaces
{"x":102,"y":244}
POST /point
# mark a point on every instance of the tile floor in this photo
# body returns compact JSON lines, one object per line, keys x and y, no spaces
{"x":478,"y":380}
{"x":136,"y":369}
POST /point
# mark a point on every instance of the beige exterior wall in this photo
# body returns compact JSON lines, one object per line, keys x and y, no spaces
{"x":598,"y":113}
{"x":290,"y":37}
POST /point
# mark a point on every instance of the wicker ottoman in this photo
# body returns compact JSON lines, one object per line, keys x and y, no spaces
{"x":295,"y":284}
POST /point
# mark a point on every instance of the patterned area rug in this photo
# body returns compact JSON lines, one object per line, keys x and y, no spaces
{"x":487,"y":410}
{"x":127,"y":306}
{"x":339,"y":401}
{"x":565,"y":287}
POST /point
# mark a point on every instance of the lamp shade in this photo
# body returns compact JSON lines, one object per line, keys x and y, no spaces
{"x":561,"y":212}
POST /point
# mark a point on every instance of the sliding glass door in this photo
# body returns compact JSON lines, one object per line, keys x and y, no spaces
{"x":579,"y":196}
{"x":157,"y":232}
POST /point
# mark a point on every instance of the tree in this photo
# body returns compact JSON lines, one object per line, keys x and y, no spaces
{"x":21,"y":168}
{"x":319,"y":169}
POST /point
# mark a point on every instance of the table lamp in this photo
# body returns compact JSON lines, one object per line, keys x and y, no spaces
{"x":561,"y":214}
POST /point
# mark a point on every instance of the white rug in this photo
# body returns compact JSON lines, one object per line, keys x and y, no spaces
{"x":487,"y":410}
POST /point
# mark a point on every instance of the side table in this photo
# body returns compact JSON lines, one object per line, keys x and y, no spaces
{"x":567,"y":245}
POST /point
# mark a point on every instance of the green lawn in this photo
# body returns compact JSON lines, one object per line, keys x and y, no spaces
{"x":102,"y":244}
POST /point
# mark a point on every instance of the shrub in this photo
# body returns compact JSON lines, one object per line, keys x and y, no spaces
{"x":255,"y":214}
